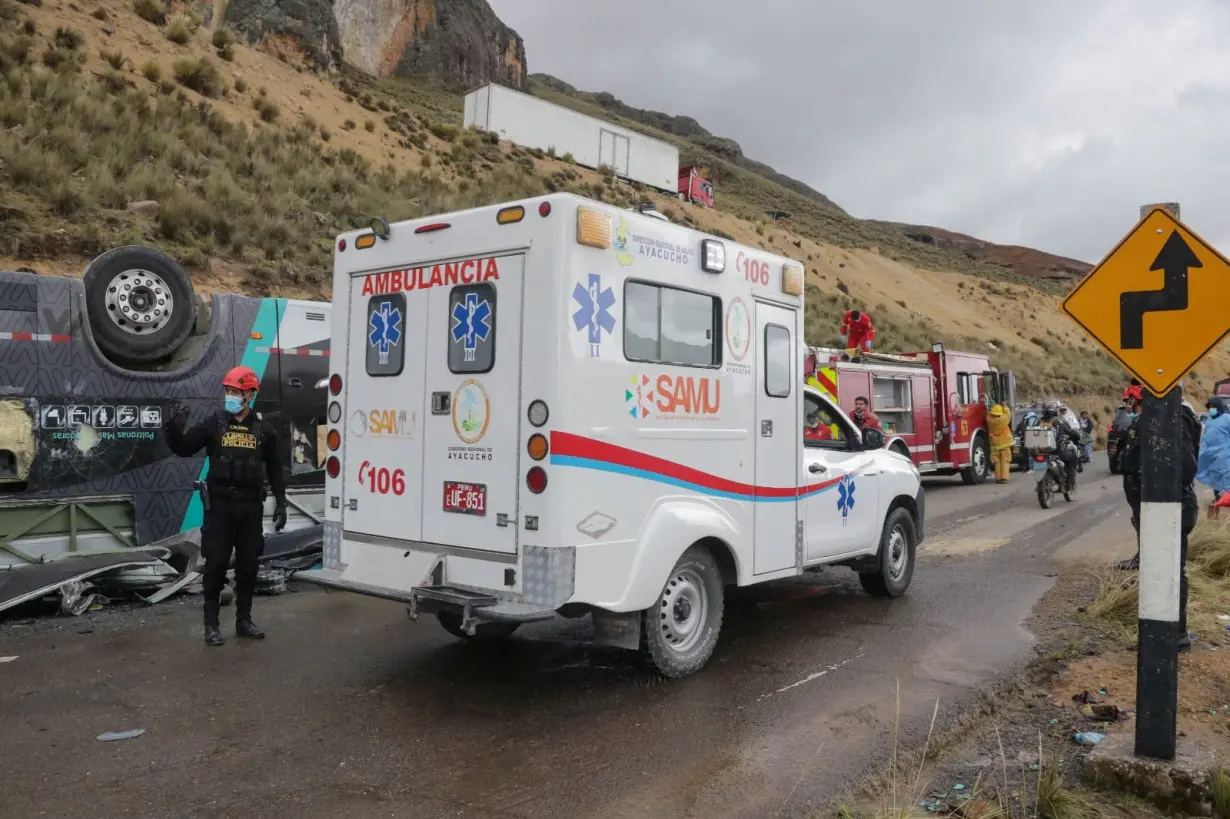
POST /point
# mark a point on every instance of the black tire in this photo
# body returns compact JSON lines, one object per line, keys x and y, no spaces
{"x":483,"y":633}
{"x":1113,"y":463}
{"x":898,"y":548}
{"x":980,"y":462}
{"x":674,"y":646}
{"x":121,"y":332}
{"x":1045,"y":492}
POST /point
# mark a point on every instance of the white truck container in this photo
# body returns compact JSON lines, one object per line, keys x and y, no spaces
{"x":536,"y":123}
{"x":561,"y":407}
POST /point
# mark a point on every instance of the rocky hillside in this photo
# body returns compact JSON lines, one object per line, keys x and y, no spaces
{"x":724,"y":159}
{"x":120,"y":124}
{"x":460,"y":42}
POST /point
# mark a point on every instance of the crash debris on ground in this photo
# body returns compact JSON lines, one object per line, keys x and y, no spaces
{"x":76,"y":584}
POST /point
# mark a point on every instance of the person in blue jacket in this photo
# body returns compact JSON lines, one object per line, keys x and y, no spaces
{"x":1213,"y":468}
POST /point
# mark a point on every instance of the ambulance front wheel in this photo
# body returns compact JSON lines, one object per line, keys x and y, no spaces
{"x":895,"y":565}
{"x":483,"y":633}
{"x":679,"y":632}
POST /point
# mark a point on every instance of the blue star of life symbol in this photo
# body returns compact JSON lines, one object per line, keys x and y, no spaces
{"x":386,"y":329}
{"x":473,"y":325}
{"x":594,"y":314}
{"x":845,"y":497}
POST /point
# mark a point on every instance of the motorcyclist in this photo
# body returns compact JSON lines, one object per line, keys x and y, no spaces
{"x":1067,"y":439}
{"x":239,"y":443}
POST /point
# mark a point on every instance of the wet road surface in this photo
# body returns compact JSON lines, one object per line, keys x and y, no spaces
{"x":349,"y":709}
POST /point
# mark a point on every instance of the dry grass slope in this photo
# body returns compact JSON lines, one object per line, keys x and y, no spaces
{"x":117,"y":102}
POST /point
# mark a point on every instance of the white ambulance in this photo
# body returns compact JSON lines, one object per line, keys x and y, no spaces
{"x":558,"y":407}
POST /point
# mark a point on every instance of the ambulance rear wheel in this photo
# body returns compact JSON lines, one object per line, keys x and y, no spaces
{"x":483,"y":633}
{"x":898,"y":544}
{"x":979,"y":462}
{"x":680,"y":631}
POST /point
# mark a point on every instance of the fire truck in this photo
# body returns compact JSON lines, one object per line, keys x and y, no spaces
{"x":932,"y":404}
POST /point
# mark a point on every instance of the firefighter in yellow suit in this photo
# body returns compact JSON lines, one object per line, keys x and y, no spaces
{"x":999,"y":425}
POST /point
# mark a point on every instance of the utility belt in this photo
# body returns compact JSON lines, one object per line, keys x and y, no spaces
{"x":227,"y":493}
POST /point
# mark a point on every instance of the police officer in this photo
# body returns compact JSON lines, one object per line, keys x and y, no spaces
{"x":239,"y":443}
{"x":1130,"y":465}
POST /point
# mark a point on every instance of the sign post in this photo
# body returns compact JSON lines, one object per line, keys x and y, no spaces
{"x":1154,"y":304}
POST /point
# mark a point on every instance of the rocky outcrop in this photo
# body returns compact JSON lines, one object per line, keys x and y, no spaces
{"x":307,"y":26}
{"x":1021,"y":260}
{"x":461,"y":42}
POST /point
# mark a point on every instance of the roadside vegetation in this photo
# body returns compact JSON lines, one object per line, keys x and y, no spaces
{"x":227,"y":170}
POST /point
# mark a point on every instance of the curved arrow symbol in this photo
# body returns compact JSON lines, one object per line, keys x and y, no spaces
{"x":1175,"y":258}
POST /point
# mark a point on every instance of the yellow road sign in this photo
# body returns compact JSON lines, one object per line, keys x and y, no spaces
{"x":1157,"y":302}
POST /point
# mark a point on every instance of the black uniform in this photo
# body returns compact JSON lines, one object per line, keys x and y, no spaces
{"x":242,"y":454}
{"x":1130,"y":465}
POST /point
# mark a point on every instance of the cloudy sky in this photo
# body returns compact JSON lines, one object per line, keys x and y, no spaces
{"x":1044,"y":123}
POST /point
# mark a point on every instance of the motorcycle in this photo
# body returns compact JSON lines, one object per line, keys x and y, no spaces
{"x":1052,"y":478}
{"x":1047,"y":466}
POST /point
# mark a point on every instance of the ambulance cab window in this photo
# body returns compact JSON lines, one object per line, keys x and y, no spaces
{"x":385,"y":334}
{"x":778,"y":362}
{"x":471,"y":328}
{"x":667,"y":325}
{"x":822,"y":426}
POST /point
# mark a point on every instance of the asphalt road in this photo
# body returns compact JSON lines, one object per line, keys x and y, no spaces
{"x":349,"y":709}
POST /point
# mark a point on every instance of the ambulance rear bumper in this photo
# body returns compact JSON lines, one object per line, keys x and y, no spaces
{"x":430,"y":599}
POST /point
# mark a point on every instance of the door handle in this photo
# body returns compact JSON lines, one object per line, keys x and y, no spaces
{"x":294,"y":382}
{"x":817,"y":468}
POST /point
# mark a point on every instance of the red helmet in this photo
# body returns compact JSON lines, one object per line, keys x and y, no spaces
{"x":1135,"y":392}
{"x":242,"y":379}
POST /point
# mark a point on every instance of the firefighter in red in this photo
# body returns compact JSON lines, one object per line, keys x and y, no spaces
{"x":857,"y":331}
{"x":241,"y":445}
{"x":863,"y":417}
{"x":816,"y":426}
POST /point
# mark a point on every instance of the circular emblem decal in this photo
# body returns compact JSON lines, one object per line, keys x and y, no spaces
{"x":358,"y":423}
{"x":471,"y":411}
{"x":738,"y":329}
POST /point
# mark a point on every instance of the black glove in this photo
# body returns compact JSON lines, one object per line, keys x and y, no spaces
{"x":279,"y":516}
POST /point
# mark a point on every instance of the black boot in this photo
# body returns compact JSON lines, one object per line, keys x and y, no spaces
{"x":1185,"y":642}
{"x":213,"y":637}
{"x":244,"y":627}
{"x":1132,"y":564}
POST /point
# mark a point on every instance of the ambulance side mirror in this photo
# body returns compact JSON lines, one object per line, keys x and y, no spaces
{"x":873,"y":439}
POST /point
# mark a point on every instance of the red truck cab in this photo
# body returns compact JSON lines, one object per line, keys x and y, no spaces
{"x":695,"y":188}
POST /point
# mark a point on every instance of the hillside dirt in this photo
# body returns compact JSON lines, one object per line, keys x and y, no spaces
{"x":1019,"y":325}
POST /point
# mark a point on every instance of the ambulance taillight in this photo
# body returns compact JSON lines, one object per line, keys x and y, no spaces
{"x":335,"y":384}
{"x":536,"y":480}
{"x":333,"y":466}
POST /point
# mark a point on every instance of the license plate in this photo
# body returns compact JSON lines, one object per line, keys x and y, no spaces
{"x":1037,"y":465}
{"x":465,"y":498}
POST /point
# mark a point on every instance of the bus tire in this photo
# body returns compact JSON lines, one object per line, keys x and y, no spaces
{"x":980,"y":462}
{"x":140,"y":305}
{"x":680,"y":631}
{"x":895,"y":562}
{"x":483,"y":632}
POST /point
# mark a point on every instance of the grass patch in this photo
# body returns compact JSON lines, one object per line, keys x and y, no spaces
{"x":1219,"y":790}
{"x":181,"y":29}
{"x":271,"y":200}
{"x":1208,"y":572}
{"x":266,"y":108}
{"x":198,"y":74}
{"x":150,"y":10}
{"x":115,"y":59}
